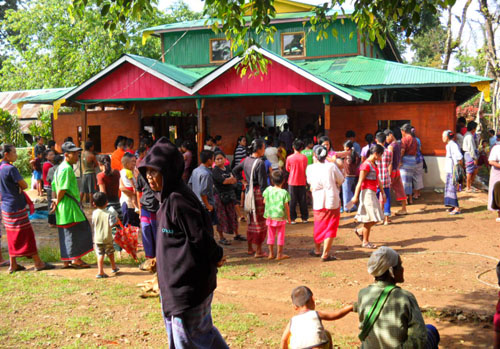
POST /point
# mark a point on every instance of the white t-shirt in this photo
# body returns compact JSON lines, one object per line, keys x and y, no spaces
{"x":495,"y":153}
{"x":453,"y":156}
{"x":325,"y":180}
{"x":128,"y":180}
{"x":271,"y":154}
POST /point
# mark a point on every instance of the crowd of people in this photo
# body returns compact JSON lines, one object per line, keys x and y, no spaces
{"x":176,"y":204}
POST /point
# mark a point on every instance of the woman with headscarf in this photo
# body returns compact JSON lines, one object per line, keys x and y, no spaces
{"x":255,"y":168}
{"x":453,"y":158}
{"x":325,"y":179}
{"x":20,"y":236}
{"x":369,"y":210}
{"x":397,"y":322}
{"x":187,"y":255}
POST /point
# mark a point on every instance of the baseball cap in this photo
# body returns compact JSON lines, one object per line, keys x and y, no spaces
{"x":69,"y":147}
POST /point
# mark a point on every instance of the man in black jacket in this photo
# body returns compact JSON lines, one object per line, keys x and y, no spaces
{"x":187,"y":255}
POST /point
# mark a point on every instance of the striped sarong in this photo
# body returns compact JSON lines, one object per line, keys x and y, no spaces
{"x":257,"y":229}
{"x":408,"y":164}
{"x":20,"y":235}
{"x":450,"y":192}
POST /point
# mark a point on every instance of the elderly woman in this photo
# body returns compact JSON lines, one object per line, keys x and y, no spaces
{"x":453,"y":157}
{"x":20,"y":235}
{"x":256,"y":175}
{"x":396,"y":321}
{"x":325,"y":179}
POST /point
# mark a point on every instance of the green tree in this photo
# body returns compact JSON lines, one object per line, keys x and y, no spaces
{"x":43,"y":126}
{"x":10,"y":131}
{"x":428,"y":43}
{"x":52,"y":49}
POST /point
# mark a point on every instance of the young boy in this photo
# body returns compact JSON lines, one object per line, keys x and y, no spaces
{"x":277,"y":213}
{"x":308,"y":151}
{"x":296,"y":165}
{"x":305,"y":330}
{"x":36,"y":165}
{"x":385,"y":170}
{"x":128,"y":199}
{"x":102,"y":222}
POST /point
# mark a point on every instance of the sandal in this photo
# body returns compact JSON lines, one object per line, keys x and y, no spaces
{"x":369,"y":245}
{"x":102,"y":276}
{"x":47,"y":266}
{"x":240,"y":238}
{"x":223,"y":241}
{"x":115,"y":271}
{"x":329,"y":258}
{"x":452,"y":213}
{"x":19,"y":268}
{"x":313,"y":253}
{"x":5,"y":264}
{"x":360,"y":237}
{"x":80,"y":266}
{"x":401,"y":213}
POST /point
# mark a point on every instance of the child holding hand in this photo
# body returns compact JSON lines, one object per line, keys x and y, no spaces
{"x":277,"y":213}
{"x":102,"y":221}
{"x":305,"y":329}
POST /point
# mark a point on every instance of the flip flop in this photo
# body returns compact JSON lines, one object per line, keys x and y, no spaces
{"x":102,"y":276}
{"x":312,"y":253}
{"x":360,"y":237}
{"x":452,"y":213}
{"x":80,"y":266}
{"x":47,"y":266}
{"x":19,"y":268}
{"x":5,"y":264}
{"x":329,"y":258}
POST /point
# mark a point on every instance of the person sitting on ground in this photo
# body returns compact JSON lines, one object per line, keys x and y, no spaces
{"x":306,"y":330}
{"x":399,"y":322}
{"x":277,"y":213}
{"x":102,"y":222}
{"x":187,"y":254}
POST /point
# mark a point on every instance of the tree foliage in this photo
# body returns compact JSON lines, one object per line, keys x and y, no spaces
{"x":10,"y":131}
{"x":50,"y":48}
{"x":43,"y":125}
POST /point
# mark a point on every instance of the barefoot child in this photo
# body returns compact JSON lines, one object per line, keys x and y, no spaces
{"x":102,"y":222}
{"x":305,"y":329}
{"x":36,"y":165}
{"x":277,"y":213}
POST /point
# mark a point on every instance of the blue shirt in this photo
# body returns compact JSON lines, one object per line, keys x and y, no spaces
{"x":357,"y":147}
{"x":202,"y":183}
{"x":13,"y":199}
{"x":493,"y":141}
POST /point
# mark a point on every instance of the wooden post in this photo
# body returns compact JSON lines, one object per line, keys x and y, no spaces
{"x":326,"y":102}
{"x":84,"y":126}
{"x":200,"y":103}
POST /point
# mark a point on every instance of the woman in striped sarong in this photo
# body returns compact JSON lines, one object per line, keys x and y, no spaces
{"x":409,"y":148}
{"x":453,"y":157}
{"x":20,"y":236}
{"x":257,"y":228}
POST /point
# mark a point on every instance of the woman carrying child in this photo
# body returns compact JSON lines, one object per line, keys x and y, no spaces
{"x":108,"y":181}
{"x":128,"y":199}
{"x":277,"y":213}
{"x":369,"y":210}
{"x":324,"y":178}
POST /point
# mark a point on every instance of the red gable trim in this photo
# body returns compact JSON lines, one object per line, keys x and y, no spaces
{"x":279,"y":79}
{"x":129,"y":82}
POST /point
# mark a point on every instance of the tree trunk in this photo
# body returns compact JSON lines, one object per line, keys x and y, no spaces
{"x":491,"y":53}
{"x":449,"y":38}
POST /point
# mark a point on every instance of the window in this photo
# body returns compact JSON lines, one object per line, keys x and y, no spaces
{"x":293,"y":44}
{"x":220,"y":50}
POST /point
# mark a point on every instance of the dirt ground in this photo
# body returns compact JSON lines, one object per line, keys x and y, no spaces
{"x":445,"y":259}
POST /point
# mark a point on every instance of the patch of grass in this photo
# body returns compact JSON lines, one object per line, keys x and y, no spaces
{"x":343,"y":342}
{"x":241,"y":273}
{"x":27,"y":335}
{"x":91,"y":258}
{"x":430,"y":313}
{"x":78,"y":322}
{"x":328,"y":274}
{"x":47,"y":254}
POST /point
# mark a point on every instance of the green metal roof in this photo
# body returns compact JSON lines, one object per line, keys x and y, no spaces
{"x":182,"y":76}
{"x":371,"y":73}
{"x":204,"y":23}
{"x":45,"y":98}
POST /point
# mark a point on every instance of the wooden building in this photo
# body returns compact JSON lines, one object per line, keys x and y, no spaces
{"x":337,"y":84}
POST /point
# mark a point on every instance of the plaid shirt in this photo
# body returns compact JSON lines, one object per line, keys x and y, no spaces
{"x":383,"y":167}
{"x":400,"y":323}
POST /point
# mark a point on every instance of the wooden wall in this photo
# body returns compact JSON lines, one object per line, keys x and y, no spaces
{"x":112,"y":122}
{"x":430,"y":119}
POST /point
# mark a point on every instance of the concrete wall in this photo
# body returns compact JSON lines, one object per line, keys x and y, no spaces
{"x":435,"y":176}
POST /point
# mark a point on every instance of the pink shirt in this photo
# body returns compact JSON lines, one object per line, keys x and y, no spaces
{"x":296,"y":165}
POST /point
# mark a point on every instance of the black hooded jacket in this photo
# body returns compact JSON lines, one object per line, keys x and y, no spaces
{"x":186,"y":252}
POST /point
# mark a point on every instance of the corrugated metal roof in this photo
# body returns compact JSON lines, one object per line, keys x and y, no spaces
{"x":46,"y":97}
{"x":173,"y":72}
{"x":9,"y":99}
{"x":205,"y":23}
{"x":371,"y":73}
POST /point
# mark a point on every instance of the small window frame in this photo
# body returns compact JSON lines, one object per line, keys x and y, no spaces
{"x":211,"y":48}
{"x":304,"y":54}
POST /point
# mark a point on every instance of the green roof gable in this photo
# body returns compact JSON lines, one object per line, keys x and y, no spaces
{"x":44,"y":98}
